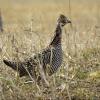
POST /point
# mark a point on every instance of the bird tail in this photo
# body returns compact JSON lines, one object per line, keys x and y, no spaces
{"x":13,"y":65}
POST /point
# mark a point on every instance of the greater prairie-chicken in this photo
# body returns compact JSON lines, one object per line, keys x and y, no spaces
{"x":51,"y":56}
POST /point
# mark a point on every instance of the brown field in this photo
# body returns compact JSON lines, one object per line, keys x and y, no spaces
{"x":29,"y":26}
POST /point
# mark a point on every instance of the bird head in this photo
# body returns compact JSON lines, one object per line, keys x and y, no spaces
{"x":63,"y":20}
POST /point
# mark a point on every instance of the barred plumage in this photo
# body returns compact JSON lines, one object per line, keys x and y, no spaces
{"x":51,"y":56}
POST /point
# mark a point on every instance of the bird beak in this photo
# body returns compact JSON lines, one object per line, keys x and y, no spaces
{"x":68,"y":21}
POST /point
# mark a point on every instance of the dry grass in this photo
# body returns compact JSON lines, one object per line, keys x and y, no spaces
{"x":29,"y":28}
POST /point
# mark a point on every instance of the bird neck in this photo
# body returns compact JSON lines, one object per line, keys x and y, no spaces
{"x":57,"y":37}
